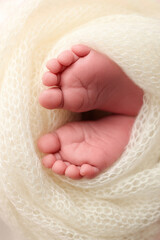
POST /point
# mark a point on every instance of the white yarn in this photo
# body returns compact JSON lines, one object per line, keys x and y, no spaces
{"x":122,"y":203}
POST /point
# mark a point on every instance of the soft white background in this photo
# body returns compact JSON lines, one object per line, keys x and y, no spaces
{"x":5,"y":232}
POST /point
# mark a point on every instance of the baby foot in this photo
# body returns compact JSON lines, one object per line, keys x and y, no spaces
{"x":85,"y":79}
{"x":84,"y":149}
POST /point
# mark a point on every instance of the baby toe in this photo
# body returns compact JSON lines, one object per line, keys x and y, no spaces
{"x":50,"y":79}
{"x":49,"y":143}
{"x":59,"y":167}
{"x":48,"y":160}
{"x":54,"y":66}
{"x":66,"y":58}
{"x":51,"y":98}
{"x":81,"y":50}
{"x":73,"y":172}
{"x":89,"y":171}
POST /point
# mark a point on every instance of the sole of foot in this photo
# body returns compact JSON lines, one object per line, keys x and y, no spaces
{"x":82,"y":79}
{"x":85,"y":149}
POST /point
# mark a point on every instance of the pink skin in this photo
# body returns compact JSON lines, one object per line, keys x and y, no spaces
{"x":84,"y":80}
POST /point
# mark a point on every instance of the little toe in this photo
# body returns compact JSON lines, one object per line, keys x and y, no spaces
{"x":49,"y":143}
{"x":48,"y":160}
{"x":50,"y":79}
{"x":54,"y":66}
{"x":81,"y":50}
{"x":89,"y":171}
{"x":67,"y":57}
{"x":73,"y":172}
{"x":51,"y":98}
{"x":59,"y":167}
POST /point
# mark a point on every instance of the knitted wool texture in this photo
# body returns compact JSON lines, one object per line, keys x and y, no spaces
{"x":122,"y":203}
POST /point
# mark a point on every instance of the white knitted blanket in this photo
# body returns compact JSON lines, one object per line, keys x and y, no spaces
{"x":123,"y":203}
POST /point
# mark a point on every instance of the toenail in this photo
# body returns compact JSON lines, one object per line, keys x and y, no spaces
{"x":51,"y":98}
{"x":66,"y":58}
{"x":59,"y":167}
{"x":54,"y":66}
{"x":49,"y":79}
{"x":72,"y":172}
{"x":48,"y":160}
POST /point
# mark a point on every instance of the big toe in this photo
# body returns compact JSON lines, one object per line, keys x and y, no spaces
{"x":49,"y":143}
{"x":51,"y":98}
